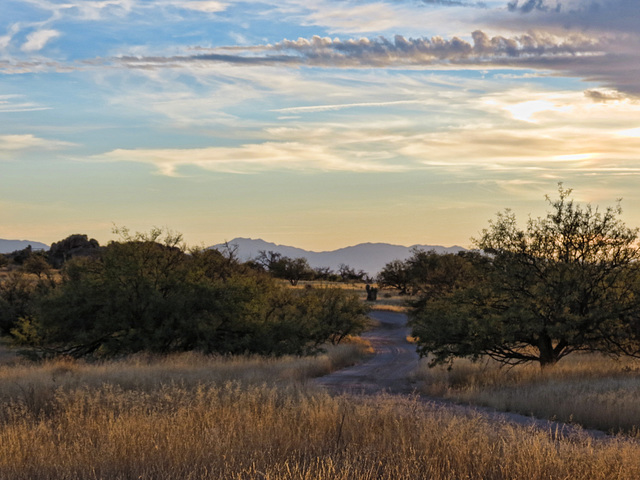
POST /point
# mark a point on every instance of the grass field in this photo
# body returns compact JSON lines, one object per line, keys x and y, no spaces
{"x":194,"y":417}
{"x":592,"y":390}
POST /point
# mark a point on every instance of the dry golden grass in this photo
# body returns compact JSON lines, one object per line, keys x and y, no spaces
{"x":196,"y":417}
{"x":388,"y":307}
{"x":264,"y":432}
{"x":37,"y":384}
{"x":388,"y":300}
{"x":592,"y":390}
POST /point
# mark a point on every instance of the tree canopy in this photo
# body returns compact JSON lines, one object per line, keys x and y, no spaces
{"x":147,"y":292}
{"x":567,"y":282}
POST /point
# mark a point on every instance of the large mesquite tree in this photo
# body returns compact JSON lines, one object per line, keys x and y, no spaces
{"x":567,"y":282}
{"x":146,"y":292}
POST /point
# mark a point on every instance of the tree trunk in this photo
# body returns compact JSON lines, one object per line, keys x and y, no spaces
{"x":547,"y":356}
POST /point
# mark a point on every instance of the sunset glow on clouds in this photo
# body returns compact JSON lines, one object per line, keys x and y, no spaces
{"x":316,"y":124}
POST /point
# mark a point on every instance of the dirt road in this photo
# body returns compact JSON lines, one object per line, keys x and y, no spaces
{"x":388,"y":368}
{"x":394,"y":358}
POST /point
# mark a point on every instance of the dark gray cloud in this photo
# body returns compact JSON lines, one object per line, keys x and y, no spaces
{"x":597,"y":60}
{"x":397,"y":52}
{"x":603,"y":96}
{"x":455,"y":3}
{"x":578,"y":55}
{"x":614,"y":23}
{"x":607,"y":16}
{"x":529,"y":5}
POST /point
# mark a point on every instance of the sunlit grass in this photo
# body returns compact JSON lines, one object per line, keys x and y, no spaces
{"x":37,"y":383}
{"x":191,"y":416}
{"x":259,"y":431}
{"x":388,"y":299}
{"x":592,"y":390}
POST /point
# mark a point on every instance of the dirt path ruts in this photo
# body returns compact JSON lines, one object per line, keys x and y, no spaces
{"x":387,"y":369}
{"x":394,"y":358}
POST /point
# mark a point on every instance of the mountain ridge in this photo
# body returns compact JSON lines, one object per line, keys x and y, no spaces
{"x":9,"y":246}
{"x":370,"y":257}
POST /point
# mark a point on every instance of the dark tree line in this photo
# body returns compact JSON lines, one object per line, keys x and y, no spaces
{"x":296,"y":269}
{"x":146,"y":292}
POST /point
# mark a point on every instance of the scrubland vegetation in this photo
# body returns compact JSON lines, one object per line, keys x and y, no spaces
{"x":109,"y":397}
{"x":190,"y":416}
{"x":149,"y":293}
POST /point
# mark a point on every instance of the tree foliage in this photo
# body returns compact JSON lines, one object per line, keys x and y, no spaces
{"x":280,"y":266}
{"x":426,"y":273}
{"x":17,"y":293}
{"x":566,"y":282}
{"x":146,"y":292}
{"x":350,"y":274}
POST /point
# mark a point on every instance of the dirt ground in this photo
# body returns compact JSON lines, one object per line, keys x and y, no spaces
{"x":388,"y":369}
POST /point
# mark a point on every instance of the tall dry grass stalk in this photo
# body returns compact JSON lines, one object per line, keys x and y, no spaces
{"x":264,"y":432}
{"x":196,"y":417}
{"x":592,"y":390}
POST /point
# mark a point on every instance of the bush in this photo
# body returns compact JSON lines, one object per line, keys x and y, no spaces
{"x":142,"y":294}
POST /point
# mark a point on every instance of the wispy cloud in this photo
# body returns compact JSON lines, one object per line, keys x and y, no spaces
{"x":37,"y":40}
{"x":520,"y":132}
{"x":206,"y":6}
{"x":13,"y":103}
{"x":84,"y":9}
{"x":342,"y":106}
{"x":252,"y":158}
{"x":11,"y":145}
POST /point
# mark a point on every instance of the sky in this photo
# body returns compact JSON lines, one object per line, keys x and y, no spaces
{"x":319,"y":124}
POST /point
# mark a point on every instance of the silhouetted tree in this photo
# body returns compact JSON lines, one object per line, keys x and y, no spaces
{"x":349,"y":274}
{"x":567,"y":282}
{"x":291,"y":269}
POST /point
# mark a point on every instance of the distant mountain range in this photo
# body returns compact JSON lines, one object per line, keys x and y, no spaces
{"x":370,"y":257}
{"x":8,"y":246}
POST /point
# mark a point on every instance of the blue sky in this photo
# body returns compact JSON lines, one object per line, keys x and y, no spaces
{"x":316,"y":124}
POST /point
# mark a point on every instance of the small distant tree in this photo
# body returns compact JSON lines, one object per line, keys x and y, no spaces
{"x":396,"y":274}
{"x":296,"y":269}
{"x":349,"y":274}
{"x":268,"y":259}
{"x":291,"y":269}
{"x":567,"y":282}
{"x":325,"y":274}
{"x":20,"y":256}
{"x":37,"y":265}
